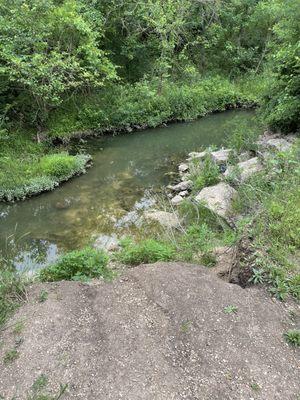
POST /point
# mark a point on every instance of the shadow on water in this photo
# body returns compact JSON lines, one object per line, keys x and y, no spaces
{"x":105,"y":200}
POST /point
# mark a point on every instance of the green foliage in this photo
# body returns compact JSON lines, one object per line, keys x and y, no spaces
{"x":145,"y":252}
{"x":48,"y":50}
{"x":230,"y":309}
{"x":274,"y":198}
{"x":12,"y":291}
{"x":208,"y":175}
{"x":242,"y":137}
{"x":119,"y":108}
{"x":30,"y":174}
{"x":281,"y":105}
{"x":78,"y":265}
{"x":10,"y":356}
{"x":293,"y":337}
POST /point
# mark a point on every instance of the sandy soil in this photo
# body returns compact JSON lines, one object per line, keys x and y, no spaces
{"x":159,"y":332}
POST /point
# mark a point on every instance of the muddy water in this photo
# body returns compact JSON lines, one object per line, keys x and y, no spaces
{"x":127,"y":169}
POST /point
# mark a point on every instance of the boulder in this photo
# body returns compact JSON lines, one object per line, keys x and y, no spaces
{"x":183,"y":168}
{"x":245,"y":168}
{"x":184,"y":193}
{"x":166,"y":219}
{"x":177,"y":200}
{"x":279,"y":144}
{"x":218,"y":198}
{"x":181,"y":186}
{"x":194,"y":155}
{"x":107,"y":243}
{"x":221,"y":156}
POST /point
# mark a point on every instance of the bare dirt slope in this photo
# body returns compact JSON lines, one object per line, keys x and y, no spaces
{"x":157,"y":333}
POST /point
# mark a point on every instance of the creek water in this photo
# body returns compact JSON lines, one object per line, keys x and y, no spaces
{"x":126,"y":170}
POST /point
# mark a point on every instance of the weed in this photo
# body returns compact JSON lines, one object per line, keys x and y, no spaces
{"x":10,"y":356}
{"x":12,"y":291}
{"x":78,"y":265}
{"x":230,"y":309}
{"x":43,"y":296}
{"x":40,"y":383}
{"x":18,"y":328}
{"x":293,"y":337}
{"x":255,"y":386}
{"x":185,"y":326}
{"x":147,"y":251}
{"x":208,"y":175}
{"x":258,"y":276}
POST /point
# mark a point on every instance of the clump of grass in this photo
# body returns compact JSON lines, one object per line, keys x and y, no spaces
{"x":10,"y":356}
{"x":207,"y":174}
{"x":43,"y":296}
{"x":230,"y":309}
{"x":272,"y":200}
{"x":145,"y":252}
{"x":293,"y":337}
{"x":12,"y":291}
{"x":18,"y":328}
{"x":78,"y":265}
{"x":39,"y":390}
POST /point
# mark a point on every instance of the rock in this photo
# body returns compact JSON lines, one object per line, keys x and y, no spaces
{"x":218,"y":198}
{"x":183,"y":168}
{"x":107,"y":243}
{"x":181,"y":186}
{"x":194,"y":155}
{"x":177,"y":200}
{"x":275,"y":142}
{"x":131,"y":218}
{"x":166,"y":219}
{"x":184,"y":193}
{"x":245,"y":169}
{"x":221,"y":156}
{"x":244,"y":156}
{"x":279,"y":144}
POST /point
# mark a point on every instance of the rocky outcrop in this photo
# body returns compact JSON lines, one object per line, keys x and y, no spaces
{"x":218,"y":199}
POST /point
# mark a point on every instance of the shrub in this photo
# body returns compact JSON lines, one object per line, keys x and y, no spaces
{"x":145,"y":252}
{"x":78,"y":265}
{"x":57,"y":165}
{"x":209,"y":174}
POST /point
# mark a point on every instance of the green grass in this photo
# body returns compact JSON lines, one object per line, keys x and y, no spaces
{"x":10,"y":356}
{"x":120,"y":107}
{"x":28,"y":168}
{"x":205,"y":174}
{"x":272,"y":199}
{"x":12,"y":291}
{"x":230,"y":309}
{"x":293,"y":337}
{"x":78,"y":265}
{"x":145,"y":252}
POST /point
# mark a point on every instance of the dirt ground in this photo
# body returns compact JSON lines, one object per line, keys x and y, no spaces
{"x":159,"y":332}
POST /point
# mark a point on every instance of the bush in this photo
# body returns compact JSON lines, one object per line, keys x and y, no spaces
{"x":145,"y":252}
{"x":208,"y":175}
{"x":57,"y":165}
{"x":78,"y":265}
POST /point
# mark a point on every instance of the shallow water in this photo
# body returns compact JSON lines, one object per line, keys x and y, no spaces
{"x":127,"y":169}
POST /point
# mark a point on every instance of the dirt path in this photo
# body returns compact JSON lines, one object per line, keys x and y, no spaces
{"x":157,"y":333}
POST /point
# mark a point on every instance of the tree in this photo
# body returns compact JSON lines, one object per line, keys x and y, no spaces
{"x":48,"y":51}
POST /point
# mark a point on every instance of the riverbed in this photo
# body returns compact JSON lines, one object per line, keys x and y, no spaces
{"x":128,"y":171}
